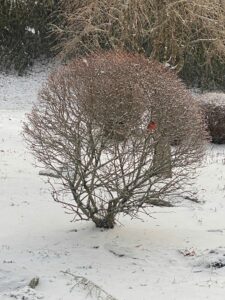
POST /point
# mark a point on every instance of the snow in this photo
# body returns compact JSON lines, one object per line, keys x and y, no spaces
{"x":19,"y":92}
{"x":178,"y":253}
{"x":214,"y":98}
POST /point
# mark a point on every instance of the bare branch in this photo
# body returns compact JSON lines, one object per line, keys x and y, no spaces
{"x":116,"y":133}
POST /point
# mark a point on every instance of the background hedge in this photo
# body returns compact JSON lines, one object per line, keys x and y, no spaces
{"x":25,"y":28}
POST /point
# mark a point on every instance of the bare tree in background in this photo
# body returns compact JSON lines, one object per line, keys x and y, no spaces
{"x":91,"y":129}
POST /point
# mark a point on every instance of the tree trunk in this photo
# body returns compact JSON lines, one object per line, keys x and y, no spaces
{"x":162,"y":158}
{"x":107,"y":222}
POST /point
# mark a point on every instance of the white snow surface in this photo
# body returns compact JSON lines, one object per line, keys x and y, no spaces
{"x":178,"y":254}
{"x":214,"y":98}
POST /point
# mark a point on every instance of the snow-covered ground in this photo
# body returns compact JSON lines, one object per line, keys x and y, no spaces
{"x":178,"y":254}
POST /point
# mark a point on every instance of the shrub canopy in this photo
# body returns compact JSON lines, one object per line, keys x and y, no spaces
{"x":213,"y":105}
{"x":92,"y":128}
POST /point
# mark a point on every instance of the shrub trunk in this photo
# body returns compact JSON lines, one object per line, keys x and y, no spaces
{"x":107,"y":222}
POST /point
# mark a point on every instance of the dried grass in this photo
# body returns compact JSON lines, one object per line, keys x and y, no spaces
{"x":187,"y":34}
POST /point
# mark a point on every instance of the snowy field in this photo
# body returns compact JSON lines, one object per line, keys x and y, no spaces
{"x":178,"y":254}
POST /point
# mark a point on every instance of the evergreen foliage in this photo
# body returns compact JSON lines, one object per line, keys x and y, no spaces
{"x":25,"y":31}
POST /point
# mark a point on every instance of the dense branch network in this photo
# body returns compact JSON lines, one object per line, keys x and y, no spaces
{"x":91,"y":128}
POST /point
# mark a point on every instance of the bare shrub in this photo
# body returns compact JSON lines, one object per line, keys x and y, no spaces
{"x":187,"y":34}
{"x":93,"y":128}
{"x":214,"y":108}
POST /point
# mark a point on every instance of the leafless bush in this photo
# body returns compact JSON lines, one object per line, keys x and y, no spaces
{"x":187,"y":34}
{"x":93,"y":128}
{"x":214,"y":108}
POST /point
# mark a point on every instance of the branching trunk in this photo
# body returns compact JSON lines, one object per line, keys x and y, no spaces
{"x":108,"y":222}
{"x":97,"y":175}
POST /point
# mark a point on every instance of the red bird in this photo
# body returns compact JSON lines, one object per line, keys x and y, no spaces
{"x":151,"y":126}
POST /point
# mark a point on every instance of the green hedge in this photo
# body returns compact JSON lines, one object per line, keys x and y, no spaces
{"x":24,"y":31}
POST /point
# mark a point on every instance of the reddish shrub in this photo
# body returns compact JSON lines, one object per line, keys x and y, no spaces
{"x":214,"y":107}
{"x":91,"y":127}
